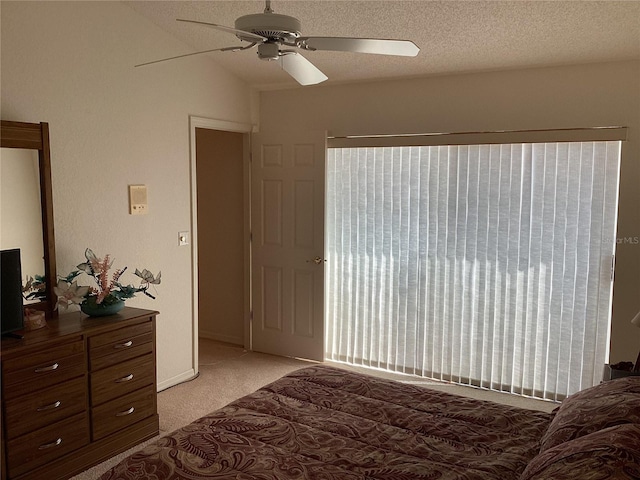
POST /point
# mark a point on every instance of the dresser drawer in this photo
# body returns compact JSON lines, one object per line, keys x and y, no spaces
{"x":122,"y":378}
{"x":47,"y":406}
{"x":22,"y":368}
{"x":37,"y":448}
{"x":51,"y":371}
{"x":34,"y":357}
{"x":122,"y":412}
{"x":116,"y":346}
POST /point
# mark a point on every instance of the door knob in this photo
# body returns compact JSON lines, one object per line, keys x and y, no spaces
{"x":317,"y":260}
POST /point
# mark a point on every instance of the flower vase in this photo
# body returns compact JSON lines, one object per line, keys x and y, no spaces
{"x":93,"y":309}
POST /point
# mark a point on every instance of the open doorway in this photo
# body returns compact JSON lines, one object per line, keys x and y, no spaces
{"x":220,"y":235}
{"x":220,"y":241}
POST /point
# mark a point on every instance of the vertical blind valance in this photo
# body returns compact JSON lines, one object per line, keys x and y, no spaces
{"x":590,"y":134}
{"x":487,"y":265}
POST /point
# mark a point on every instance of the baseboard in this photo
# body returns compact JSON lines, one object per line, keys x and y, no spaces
{"x":171,"y":382}
{"x":221,"y":338}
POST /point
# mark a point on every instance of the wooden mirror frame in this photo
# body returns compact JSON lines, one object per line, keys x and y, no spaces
{"x":35,"y":136}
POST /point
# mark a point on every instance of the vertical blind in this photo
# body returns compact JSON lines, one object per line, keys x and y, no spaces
{"x":486,"y":265}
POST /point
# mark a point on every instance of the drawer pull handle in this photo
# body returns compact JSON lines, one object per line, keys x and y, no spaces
{"x":50,"y":368}
{"x":125,"y":379}
{"x":124,"y":345}
{"x":126,"y":412}
{"x":49,"y":407}
{"x":50,"y":445}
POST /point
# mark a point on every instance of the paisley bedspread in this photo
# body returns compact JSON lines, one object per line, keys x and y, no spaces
{"x":327,"y":423}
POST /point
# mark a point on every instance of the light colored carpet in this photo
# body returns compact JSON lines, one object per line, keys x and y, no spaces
{"x":228,"y":372}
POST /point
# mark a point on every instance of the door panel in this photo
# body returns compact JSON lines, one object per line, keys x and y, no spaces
{"x":272,"y":299}
{"x":271,"y":210}
{"x":288,"y":176}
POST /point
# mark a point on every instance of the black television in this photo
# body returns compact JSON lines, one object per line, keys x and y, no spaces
{"x":11,"y":308}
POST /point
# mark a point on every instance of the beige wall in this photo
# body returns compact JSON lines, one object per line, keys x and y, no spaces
{"x":219,"y":167}
{"x":71,"y":64}
{"x":545,"y":98}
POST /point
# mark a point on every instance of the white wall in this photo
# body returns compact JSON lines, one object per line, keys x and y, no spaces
{"x":545,"y":98}
{"x":111,"y":125}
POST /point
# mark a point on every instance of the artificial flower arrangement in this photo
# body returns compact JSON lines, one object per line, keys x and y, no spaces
{"x":108,"y":289}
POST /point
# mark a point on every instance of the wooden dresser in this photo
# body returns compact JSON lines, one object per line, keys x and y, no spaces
{"x":77,"y":392}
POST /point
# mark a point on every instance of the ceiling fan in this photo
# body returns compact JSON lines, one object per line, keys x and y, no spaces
{"x":278,"y":39}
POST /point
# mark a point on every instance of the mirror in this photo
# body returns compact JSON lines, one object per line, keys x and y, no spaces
{"x":26,"y":214}
{"x":20,"y":210}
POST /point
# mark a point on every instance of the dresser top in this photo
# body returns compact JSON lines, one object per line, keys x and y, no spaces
{"x":74,"y":323}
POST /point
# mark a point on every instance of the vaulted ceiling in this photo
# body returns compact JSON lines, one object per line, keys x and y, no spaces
{"x":454,"y":36}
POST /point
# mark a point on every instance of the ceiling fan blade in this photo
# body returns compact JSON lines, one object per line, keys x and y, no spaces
{"x":301,"y":69}
{"x":224,"y":49}
{"x":243,"y":35}
{"x":404,"y":48}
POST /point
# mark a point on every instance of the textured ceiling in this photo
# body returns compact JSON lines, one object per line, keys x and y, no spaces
{"x":454,"y":36}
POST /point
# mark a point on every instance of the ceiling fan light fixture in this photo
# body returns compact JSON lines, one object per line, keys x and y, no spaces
{"x":268,"y":51}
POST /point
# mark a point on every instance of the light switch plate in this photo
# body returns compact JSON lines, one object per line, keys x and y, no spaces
{"x":138,"y":199}
{"x":183,"y":238}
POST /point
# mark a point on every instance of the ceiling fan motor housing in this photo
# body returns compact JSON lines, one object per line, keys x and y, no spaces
{"x":273,"y":26}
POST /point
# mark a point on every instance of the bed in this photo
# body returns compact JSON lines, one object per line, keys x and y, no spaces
{"x":322,"y":422}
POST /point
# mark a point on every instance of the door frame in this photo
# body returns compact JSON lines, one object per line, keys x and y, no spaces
{"x":225,"y":126}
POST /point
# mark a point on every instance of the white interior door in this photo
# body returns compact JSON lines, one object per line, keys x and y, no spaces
{"x":287,"y":191}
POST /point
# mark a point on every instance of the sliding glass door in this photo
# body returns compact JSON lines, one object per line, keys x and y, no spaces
{"x":487,"y":265}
